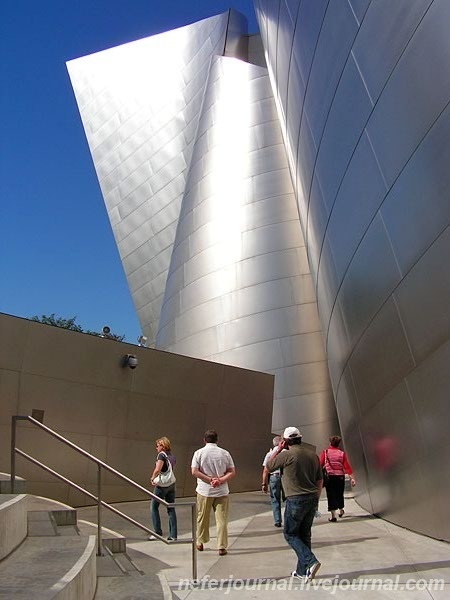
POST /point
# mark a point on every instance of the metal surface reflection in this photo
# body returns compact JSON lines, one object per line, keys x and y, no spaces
{"x":212,"y":231}
{"x":198,"y":180}
{"x":367,"y":128}
{"x":239,"y":289}
{"x":140,"y":104}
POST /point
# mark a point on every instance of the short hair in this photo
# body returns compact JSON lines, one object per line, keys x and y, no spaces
{"x":276,"y":440}
{"x":211,"y":436}
{"x":335,"y":440}
{"x":293,"y":441}
{"x":165,"y":443}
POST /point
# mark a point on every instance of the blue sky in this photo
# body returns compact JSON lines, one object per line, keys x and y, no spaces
{"x":57,"y":251}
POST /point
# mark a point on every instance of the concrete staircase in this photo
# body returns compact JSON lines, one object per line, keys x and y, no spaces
{"x":43,"y":555}
{"x":46,"y":553}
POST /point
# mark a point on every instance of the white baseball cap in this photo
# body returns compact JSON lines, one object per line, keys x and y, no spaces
{"x":291,"y":433}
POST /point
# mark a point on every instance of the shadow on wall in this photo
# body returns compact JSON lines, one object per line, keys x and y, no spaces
{"x":116,"y":413}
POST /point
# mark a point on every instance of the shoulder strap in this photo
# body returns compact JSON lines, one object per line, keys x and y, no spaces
{"x":169,"y":464}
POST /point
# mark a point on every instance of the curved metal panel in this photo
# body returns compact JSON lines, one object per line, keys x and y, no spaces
{"x":194,"y":173}
{"x":367,"y":117}
{"x":140,"y":118}
{"x":239,"y":289}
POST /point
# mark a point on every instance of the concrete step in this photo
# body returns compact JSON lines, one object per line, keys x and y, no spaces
{"x":117,"y":564}
{"x":145,"y":587}
{"x":58,"y":560}
{"x":60,"y":567}
{"x":113,"y":541}
{"x":42,"y":503}
{"x":20,"y":485}
{"x":52,"y":522}
{"x":13,"y":522}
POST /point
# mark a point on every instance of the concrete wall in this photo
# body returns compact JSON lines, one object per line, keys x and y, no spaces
{"x":117,"y":413}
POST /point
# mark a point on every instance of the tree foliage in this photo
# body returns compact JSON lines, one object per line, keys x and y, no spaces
{"x":70,"y":323}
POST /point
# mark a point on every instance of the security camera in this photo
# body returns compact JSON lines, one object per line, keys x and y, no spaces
{"x":130,"y":360}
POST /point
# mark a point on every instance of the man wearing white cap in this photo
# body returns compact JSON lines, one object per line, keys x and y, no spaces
{"x":302,"y":482}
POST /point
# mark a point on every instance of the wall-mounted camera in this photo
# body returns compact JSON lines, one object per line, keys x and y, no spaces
{"x":130,"y":360}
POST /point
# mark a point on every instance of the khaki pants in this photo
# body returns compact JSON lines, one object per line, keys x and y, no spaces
{"x":220,"y":508}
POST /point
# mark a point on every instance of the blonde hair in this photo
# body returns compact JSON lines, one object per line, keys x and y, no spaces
{"x":165,"y":443}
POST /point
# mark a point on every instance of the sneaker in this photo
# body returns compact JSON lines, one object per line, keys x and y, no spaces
{"x":312,"y":570}
{"x":297,"y":576}
{"x":152,"y":537}
{"x":171,"y":539}
{"x":277,"y":525}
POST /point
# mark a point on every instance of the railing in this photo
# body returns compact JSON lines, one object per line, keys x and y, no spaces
{"x":98,"y":499}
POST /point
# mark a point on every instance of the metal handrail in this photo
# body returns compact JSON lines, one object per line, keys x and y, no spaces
{"x":98,"y":499}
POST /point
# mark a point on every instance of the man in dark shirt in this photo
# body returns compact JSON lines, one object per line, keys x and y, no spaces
{"x":302,"y":484}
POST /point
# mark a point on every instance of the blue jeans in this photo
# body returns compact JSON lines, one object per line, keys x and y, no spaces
{"x":167,"y":494}
{"x":298,"y":518}
{"x":275,"y":496}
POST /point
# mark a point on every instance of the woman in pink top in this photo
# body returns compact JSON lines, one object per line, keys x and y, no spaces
{"x":337,"y":466}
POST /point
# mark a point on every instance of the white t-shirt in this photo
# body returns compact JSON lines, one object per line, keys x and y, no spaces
{"x":214,"y":462}
{"x":266,"y":458}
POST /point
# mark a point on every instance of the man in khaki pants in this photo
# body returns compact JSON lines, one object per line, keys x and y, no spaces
{"x":213,"y":467}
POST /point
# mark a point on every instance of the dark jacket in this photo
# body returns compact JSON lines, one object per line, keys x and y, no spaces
{"x":301,"y":470}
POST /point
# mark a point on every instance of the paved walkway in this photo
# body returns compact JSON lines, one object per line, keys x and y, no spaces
{"x":362,"y":557}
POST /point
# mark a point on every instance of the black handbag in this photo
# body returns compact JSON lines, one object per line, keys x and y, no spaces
{"x":324,"y":470}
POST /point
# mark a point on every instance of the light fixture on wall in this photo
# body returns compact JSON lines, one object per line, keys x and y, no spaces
{"x":130,"y":360}
{"x":142,"y":340}
{"x":106,"y":331}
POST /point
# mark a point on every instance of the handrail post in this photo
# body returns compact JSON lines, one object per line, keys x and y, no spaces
{"x":194,"y":541}
{"x":13,"y":454}
{"x":99,"y":510}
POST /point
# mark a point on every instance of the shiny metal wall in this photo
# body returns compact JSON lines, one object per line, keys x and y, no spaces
{"x":363,"y":91}
{"x":205,"y":187}
{"x":239,"y":290}
{"x":139,"y":104}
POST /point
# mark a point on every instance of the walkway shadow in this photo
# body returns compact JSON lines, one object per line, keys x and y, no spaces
{"x":397,"y":569}
{"x":338,"y":542}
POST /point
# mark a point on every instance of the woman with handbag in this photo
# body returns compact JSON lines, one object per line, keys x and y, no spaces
{"x":163,"y":479}
{"x":335,"y":464}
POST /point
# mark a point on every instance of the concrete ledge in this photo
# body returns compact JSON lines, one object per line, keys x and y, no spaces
{"x":65,"y":517}
{"x":81,"y":580}
{"x":20,"y":485}
{"x":115,"y":542}
{"x":13,"y":522}
{"x":62,"y":568}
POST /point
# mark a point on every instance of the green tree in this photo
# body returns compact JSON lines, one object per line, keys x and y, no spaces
{"x":56,"y":321}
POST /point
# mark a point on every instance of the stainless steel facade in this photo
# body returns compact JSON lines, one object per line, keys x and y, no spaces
{"x":239,"y":290}
{"x":188,"y":149}
{"x":225,"y":258}
{"x":363,"y":90}
{"x":140,"y":104}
